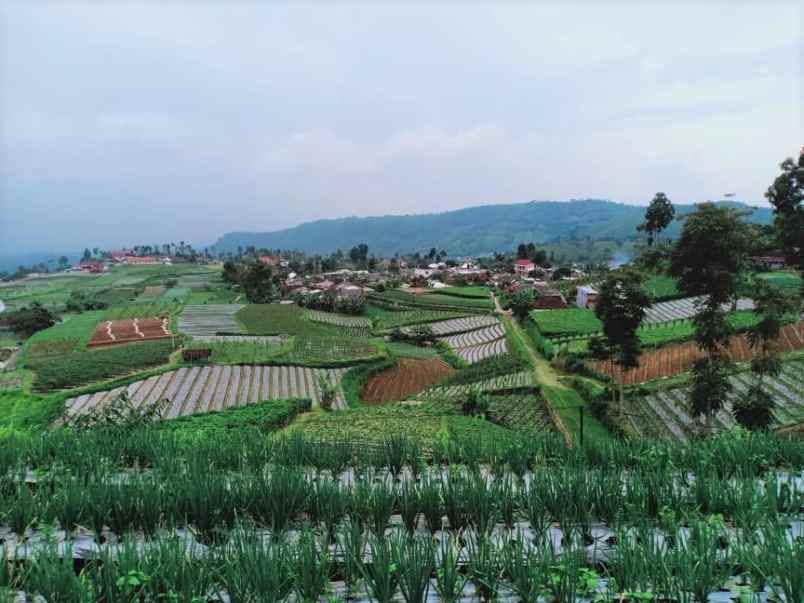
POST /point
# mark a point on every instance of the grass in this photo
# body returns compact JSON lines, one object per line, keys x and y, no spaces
{"x":275,"y":319}
{"x":469,"y":292}
{"x":569,"y":321}
{"x":786,"y":280}
{"x":661,"y":287}
{"x":28,"y":412}
{"x":142,"y":310}
{"x":226,"y":352}
{"x":407,"y":350}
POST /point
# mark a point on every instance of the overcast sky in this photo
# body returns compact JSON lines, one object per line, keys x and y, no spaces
{"x":142,"y":123}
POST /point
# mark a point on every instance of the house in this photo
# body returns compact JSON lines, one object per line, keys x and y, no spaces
{"x":524,"y":267}
{"x":269,"y":260}
{"x":586,"y":297}
{"x":92,"y":266}
{"x":325,"y":285}
{"x":549,"y":298}
{"x":140,"y":260}
{"x":345,"y":291}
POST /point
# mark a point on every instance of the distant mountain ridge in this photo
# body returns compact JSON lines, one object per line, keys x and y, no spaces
{"x":469,"y":231}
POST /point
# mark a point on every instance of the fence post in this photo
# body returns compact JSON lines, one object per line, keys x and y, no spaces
{"x":580,"y":412}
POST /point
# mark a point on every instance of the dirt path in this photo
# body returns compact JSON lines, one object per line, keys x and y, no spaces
{"x":562,"y":401}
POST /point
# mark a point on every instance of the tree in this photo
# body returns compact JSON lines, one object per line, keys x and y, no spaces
{"x":521,"y":302}
{"x":87,"y":254}
{"x":27,"y":321}
{"x":64,"y":262}
{"x":522,"y":252}
{"x":755,"y":410}
{"x":708,"y":260}
{"x":231,"y":273}
{"x":621,"y":307}
{"x":358,"y":254}
{"x":257,"y":283}
{"x":786,"y":194}
{"x":658,"y":216}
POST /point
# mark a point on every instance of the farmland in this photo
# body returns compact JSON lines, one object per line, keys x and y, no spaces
{"x":354,"y":326}
{"x":211,"y":319}
{"x":666,"y":413}
{"x":385,"y":319}
{"x":213,"y":388}
{"x":345,"y":507}
{"x":675,"y":359}
{"x":407,"y":378}
{"x":431,"y":300}
{"x":274,"y":319}
{"x":75,"y":368}
{"x":113,"y":332}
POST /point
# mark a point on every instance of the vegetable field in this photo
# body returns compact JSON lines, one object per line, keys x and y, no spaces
{"x":683,"y":308}
{"x":666,"y":413}
{"x":314,"y":349}
{"x":275,"y":319}
{"x":525,"y":412}
{"x":476,"y":337}
{"x":211,"y":319}
{"x":508,"y":382}
{"x":569,"y":321}
{"x":354,"y":326}
{"x":675,"y":359}
{"x":462,"y":325}
{"x":385,"y":319}
{"x":214,"y":388}
{"x":407,"y":378}
{"x":432,"y":300}
{"x":83,"y":367}
{"x":483,"y":351}
{"x":462,"y":510}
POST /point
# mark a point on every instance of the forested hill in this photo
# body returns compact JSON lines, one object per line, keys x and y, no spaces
{"x":469,"y":231}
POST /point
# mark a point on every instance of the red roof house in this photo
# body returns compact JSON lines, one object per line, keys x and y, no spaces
{"x":523,"y":267}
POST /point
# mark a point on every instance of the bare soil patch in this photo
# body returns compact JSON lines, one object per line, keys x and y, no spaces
{"x":410,"y":376}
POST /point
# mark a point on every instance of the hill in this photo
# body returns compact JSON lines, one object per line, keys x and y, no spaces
{"x":470,"y":231}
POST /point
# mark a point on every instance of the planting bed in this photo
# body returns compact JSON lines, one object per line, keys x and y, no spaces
{"x":462,"y":325}
{"x":245,"y":517}
{"x":483,"y":351}
{"x":354,"y":326}
{"x":385,"y":319}
{"x":204,"y":389}
{"x":113,"y":332}
{"x":476,"y":337}
{"x":666,"y":413}
{"x":675,"y":359}
{"x":210,"y":319}
{"x":684,"y":308}
{"x":520,"y":412}
{"x":407,"y":378}
{"x":511,"y":381}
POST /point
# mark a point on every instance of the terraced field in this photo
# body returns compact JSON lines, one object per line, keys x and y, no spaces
{"x":476,"y":337}
{"x":263,"y":339}
{"x":462,"y":325}
{"x":354,"y":326}
{"x":675,"y":359}
{"x":210,"y":388}
{"x":683,"y":308}
{"x":209,"y":319}
{"x":506,"y":382}
{"x":408,"y":377}
{"x":666,"y":413}
{"x":476,"y":353}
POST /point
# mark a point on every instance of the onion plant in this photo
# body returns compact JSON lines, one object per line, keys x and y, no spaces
{"x":253,"y":570}
{"x":450,"y":582}
{"x":415,"y":559}
{"x":352,"y":543}
{"x":485,"y":566}
{"x":312,"y":564}
{"x":382,"y":574}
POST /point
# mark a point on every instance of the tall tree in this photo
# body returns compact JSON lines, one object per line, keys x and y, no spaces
{"x":786,"y":194}
{"x":621,"y":306}
{"x":522,"y":252}
{"x":257,"y":283}
{"x":755,"y":409}
{"x":708,"y":260}
{"x":521,"y":302}
{"x":658,"y":216}
{"x":27,"y":321}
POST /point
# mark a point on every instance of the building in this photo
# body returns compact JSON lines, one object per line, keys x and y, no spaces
{"x":548,"y":297}
{"x":586,"y":297}
{"x":269,"y":260}
{"x":349,"y":291}
{"x":139,"y":260}
{"x":524,"y":267}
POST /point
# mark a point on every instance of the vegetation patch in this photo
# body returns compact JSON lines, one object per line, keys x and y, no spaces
{"x":81,"y":367}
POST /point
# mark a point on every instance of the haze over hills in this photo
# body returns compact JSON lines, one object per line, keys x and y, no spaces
{"x":470,"y":231}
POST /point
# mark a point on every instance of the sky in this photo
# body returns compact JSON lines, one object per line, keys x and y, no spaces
{"x":148,"y":122}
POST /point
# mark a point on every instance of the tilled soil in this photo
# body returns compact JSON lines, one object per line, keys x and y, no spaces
{"x":410,"y":376}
